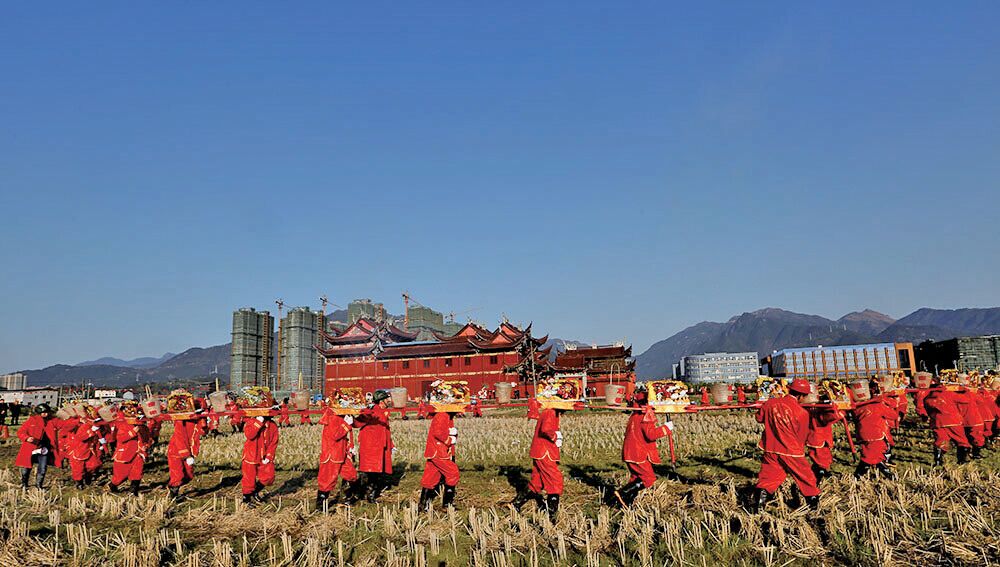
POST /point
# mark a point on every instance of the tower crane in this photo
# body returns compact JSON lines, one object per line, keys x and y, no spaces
{"x":407,"y":298}
{"x":451,"y":315}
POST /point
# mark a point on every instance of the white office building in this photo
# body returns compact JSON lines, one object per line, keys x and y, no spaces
{"x":725,"y":367}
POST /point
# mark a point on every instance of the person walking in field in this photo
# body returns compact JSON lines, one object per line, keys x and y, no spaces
{"x":39,"y":445}
{"x":258,"y":456}
{"x":972,"y":419}
{"x":84,"y":446}
{"x":947,"y":423}
{"x":639,"y":448}
{"x":336,"y":443}
{"x":820,"y":438}
{"x":874,"y":419}
{"x":375,"y":445}
{"x":132,"y":444}
{"x":545,"y":474}
{"x":440,"y":467}
{"x":283,"y":417}
{"x":185,"y":442}
{"x":786,"y":429}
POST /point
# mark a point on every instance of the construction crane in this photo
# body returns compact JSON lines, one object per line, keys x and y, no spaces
{"x":323,"y":299}
{"x":277,"y":374}
{"x":407,"y":298}
{"x":451,"y":316}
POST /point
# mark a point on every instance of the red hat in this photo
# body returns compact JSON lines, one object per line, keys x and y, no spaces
{"x":799,"y":386}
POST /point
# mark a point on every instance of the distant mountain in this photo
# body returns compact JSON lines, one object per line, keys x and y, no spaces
{"x":772,"y":329}
{"x":143,"y":362}
{"x":867,"y":322}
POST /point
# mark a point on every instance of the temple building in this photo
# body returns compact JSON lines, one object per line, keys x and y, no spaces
{"x":376,"y":355}
{"x":604,"y":364}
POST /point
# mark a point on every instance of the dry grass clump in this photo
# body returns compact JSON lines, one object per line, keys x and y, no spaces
{"x":694,"y":517}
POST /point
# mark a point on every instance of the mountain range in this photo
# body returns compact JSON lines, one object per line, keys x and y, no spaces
{"x":766,"y":330}
{"x":762,"y":331}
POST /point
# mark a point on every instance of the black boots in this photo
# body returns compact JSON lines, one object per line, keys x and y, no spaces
{"x":79,"y":485}
{"x":938,"y":457}
{"x":114,"y":488}
{"x":963,"y":454}
{"x":977,"y":452}
{"x":627,"y":494}
{"x":449,"y":497}
{"x":820,"y":473}
{"x":321,"y":500}
{"x":524,"y":497}
{"x":883,"y":468}
{"x":813,"y":502}
{"x":248,"y":499}
{"x":134,"y":487}
{"x":426,"y":495}
{"x":552,"y":504}
{"x":760,"y":501}
{"x":375,"y":484}
{"x":175,"y":492}
{"x":25,"y":474}
{"x":352,"y":491}
{"x":40,"y":480}
{"x":886,"y":470}
{"x":258,"y":492}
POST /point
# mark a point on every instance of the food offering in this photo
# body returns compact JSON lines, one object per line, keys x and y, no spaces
{"x":180,"y":405}
{"x":131,"y":412}
{"x":950,"y":379}
{"x":668,"y":396}
{"x":347,"y":401}
{"x":768,"y":387}
{"x":255,"y":400}
{"x":562,"y":391}
{"x":836,"y":392}
{"x":449,"y":396}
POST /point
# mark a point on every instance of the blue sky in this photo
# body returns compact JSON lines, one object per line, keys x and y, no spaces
{"x":606,"y":171}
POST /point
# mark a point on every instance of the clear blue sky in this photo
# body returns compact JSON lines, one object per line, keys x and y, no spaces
{"x":604,"y":170}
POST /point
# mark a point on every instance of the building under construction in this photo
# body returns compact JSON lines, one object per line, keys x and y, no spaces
{"x":962,"y":353}
{"x":365,"y":309}
{"x":253,"y":333}
{"x":300,"y":337}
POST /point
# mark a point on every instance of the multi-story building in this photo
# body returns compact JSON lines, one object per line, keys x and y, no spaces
{"x":300,"y":336}
{"x":31,"y":396}
{"x":962,"y":353}
{"x":253,"y":333}
{"x":725,"y":367}
{"x":373,"y":355}
{"x":365,"y":309}
{"x":603,"y":364}
{"x":14,"y":381}
{"x":844,"y":362}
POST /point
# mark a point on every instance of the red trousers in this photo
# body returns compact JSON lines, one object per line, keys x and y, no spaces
{"x":78,"y":468}
{"x":873,"y":452}
{"x":252,"y":474}
{"x":328,"y":473}
{"x":774,"y":468}
{"x":642,"y":471}
{"x":822,"y":456}
{"x":546,"y":476}
{"x":977,"y":435}
{"x":943,"y":436}
{"x":436,"y":469}
{"x":181,"y":473}
{"x":130,"y":471}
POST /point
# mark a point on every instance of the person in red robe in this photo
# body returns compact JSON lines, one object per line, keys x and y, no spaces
{"x":786,"y":429}
{"x":181,"y":451}
{"x":639,"y":448}
{"x":39,"y":445}
{"x":972,"y":419}
{"x":283,"y":417}
{"x":235,"y":416}
{"x":305,"y":419}
{"x":705,"y":399}
{"x":375,"y":446}
{"x":741,"y":395}
{"x":84,"y":447}
{"x":545,"y":474}
{"x":439,"y":466}
{"x":336,"y":444}
{"x":874,"y":419}
{"x":66,"y":427}
{"x":423,"y":409}
{"x":820,"y":438}
{"x":258,"y":456}
{"x":476,"y":410}
{"x":132,"y":443}
{"x":947,"y":423}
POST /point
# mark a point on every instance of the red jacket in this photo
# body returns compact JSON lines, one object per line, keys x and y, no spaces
{"x":262,"y":441}
{"x":741,"y":396}
{"x":641,"y":434}
{"x":918,"y":402}
{"x":821,"y":420}
{"x":439,"y":445}
{"x":83,"y":442}
{"x":786,"y":426}
{"x":336,"y":439}
{"x":987,"y":406}
{"x":35,"y":433}
{"x":543,"y":444}
{"x":131,"y":441}
{"x":186,"y":440}
{"x":374,"y":440}
{"x":942,"y":408}
{"x":967,"y":406}
{"x":874,"y":418}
